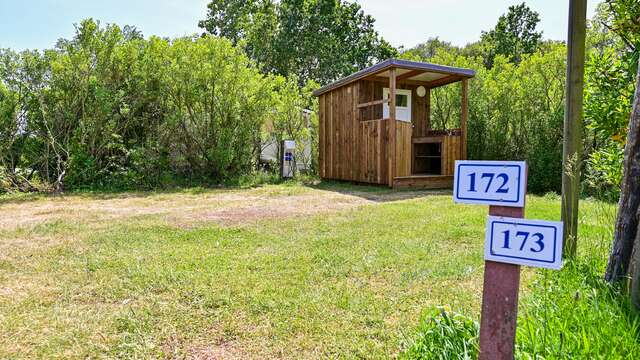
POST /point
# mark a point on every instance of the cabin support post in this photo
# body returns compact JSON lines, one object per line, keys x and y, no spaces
{"x":464,"y":113}
{"x":427,"y":125}
{"x":391,"y":142}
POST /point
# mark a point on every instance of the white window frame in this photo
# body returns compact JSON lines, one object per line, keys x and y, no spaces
{"x":403,"y":113}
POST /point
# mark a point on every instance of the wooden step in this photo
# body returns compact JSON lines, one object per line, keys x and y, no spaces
{"x":423,"y":182}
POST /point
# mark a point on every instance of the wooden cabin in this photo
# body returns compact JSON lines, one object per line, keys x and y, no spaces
{"x":375,"y":126}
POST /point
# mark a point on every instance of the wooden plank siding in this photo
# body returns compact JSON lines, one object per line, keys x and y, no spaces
{"x":351,"y":149}
{"x":403,"y":148}
{"x":321,"y":139}
{"x":450,"y":153}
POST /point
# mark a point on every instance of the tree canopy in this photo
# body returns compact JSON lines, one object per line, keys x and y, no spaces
{"x":319,"y":40}
{"x":513,"y":36}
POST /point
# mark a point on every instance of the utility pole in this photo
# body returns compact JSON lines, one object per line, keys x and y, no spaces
{"x":572,"y":142}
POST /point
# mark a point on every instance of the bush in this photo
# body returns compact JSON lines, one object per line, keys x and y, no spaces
{"x":109,"y":109}
{"x":516,"y":112}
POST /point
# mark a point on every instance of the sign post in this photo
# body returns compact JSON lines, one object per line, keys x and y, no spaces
{"x":499,"y":301}
{"x":510,"y":241}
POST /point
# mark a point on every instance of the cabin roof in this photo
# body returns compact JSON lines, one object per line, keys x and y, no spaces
{"x":413,"y":70}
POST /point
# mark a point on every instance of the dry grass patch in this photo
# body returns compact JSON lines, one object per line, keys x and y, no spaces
{"x":183,"y":209}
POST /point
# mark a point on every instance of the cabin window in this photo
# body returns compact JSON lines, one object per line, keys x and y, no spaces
{"x":403,"y":104}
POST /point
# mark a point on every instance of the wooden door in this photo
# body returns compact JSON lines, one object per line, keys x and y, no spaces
{"x":404,"y":131}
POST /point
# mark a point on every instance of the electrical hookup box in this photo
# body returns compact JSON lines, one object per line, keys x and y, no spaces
{"x":287,"y":161}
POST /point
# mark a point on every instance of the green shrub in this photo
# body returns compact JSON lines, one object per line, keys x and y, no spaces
{"x":516,"y":112}
{"x":108,"y":109}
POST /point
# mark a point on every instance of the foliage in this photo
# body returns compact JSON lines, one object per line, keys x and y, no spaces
{"x":108,"y":108}
{"x":9,"y":128}
{"x":230,"y":18}
{"x":513,"y":36}
{"x":428,"y":49}
{"x":608,"y":94}
{"x":505,"y":120}
{"x":319,"y":40}
{"x":623,"y":18}
{"x":516,"y":100}
{"x":215,"y":112}
{"x":516,"y":107}
{"x":609,"y":89}
{"x":295,"y":118}
{"x":444,"y":335}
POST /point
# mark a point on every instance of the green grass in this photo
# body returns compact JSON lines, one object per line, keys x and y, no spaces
{"x":348,"y":284}
{"x":567,"y":314}
{"x":574,"y":313}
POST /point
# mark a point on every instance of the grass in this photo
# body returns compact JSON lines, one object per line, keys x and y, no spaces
{"x":348,"y":281}
{"x":444,"y":335}
{"x":574,"y":313}
{"x":567,"y":314}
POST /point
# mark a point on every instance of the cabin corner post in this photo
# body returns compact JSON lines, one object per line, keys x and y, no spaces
{"x":391,"y":142}
{"x":463,"y":118}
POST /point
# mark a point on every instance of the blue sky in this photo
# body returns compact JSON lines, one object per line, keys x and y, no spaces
{"x":37,"y":24}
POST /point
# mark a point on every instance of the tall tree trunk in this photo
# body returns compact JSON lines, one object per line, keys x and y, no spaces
{"x":635,"y":270}
{"x":627,"y":222}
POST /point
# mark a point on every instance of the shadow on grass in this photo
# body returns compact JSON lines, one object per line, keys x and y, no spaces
{"x":376,"y":193}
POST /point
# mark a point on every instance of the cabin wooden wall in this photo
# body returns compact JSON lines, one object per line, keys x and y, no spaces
{"x":420,"y":106}
{"x":351,"y":149}
{"x":403,"y":148}
{"x":450,"y":153}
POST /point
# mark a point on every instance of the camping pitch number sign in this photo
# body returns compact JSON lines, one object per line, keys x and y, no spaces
{"x":524,"y":242}
{"x":508,"y":240}
{"x":499,"y":183}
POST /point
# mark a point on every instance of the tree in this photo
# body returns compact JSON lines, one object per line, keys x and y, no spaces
{"x":624,"y":20}
{"x":216,"y":105}
{"x":513,"y":36}
{"x":107,"y":108}
{"x":230,"y":18}
{"x":428,"y":49}
{"x":627,"y":231}
{"x":319,"y":40}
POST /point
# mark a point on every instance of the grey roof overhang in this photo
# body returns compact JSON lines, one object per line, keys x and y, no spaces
{"x":395,"y":63}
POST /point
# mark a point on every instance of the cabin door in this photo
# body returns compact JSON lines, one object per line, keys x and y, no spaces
{"x":404,"y":129}
{"x":403,"y":105}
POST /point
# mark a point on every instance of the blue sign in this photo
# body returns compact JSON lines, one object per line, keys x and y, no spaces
{"x":490,"y":182}
{"x":288,"y":156}
{"x":524,"y":242}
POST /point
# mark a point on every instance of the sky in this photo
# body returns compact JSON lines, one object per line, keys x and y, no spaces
{"x":38,"y":24}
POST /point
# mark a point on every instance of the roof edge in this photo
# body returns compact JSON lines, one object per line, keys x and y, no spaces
{"x":389,"y":63}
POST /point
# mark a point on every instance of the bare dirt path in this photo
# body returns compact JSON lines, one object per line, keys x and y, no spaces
{"x":187,"y":209}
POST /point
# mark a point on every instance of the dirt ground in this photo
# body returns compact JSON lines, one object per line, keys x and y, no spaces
{"x":188,"y":209}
